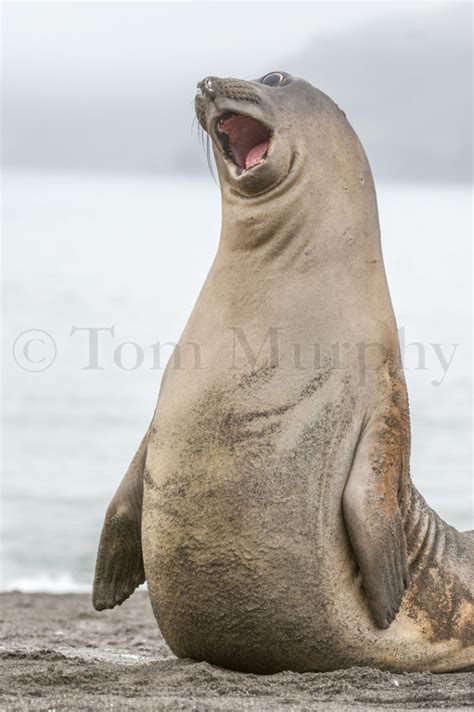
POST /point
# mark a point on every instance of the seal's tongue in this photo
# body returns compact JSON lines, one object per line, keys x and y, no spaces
{"x":256,"y":154}
{"x":248,"y":139}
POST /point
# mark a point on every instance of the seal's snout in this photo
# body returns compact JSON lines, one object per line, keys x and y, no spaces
{"x":243,"y":139}
{"x":221,"y":89}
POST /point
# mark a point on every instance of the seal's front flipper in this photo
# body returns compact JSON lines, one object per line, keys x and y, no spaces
{"x":373,"y":517}
{"x":119,"y":567}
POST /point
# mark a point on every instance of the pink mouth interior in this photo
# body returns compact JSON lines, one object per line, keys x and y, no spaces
{"x":247,"y":139}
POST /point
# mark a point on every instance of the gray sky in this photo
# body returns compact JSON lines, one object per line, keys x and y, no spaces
{"x":110,"y":86}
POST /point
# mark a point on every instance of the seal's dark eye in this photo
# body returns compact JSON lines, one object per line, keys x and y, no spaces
{"x":274,"y":79}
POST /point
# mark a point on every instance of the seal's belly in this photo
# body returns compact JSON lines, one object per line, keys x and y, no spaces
{"x":241,"y":514}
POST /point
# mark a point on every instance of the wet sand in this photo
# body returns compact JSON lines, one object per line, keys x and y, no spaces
{"x":59,"y":654}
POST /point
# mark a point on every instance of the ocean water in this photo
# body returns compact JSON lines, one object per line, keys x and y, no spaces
{"x":128,"y":256}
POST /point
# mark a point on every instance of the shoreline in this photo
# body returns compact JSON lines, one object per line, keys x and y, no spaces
{"x":59,"y":653}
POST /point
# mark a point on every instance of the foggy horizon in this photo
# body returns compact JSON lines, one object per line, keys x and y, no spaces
{"x":65,"y":108}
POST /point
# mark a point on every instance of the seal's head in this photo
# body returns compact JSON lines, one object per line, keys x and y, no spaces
{"x":261,"y":129}
{"x":248,"y":122}
{"x":289,"y":164}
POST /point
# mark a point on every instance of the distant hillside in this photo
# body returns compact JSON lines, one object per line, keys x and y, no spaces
{"x":405,"y":87}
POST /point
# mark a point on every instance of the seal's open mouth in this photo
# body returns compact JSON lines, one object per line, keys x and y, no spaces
{"x":244,"y":140}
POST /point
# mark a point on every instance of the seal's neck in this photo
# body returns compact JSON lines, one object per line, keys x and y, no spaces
{"x":312,"y":241}
{"x":307,"y":222}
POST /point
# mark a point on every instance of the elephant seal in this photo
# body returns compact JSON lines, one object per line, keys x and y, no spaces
{"x":270,"y":506}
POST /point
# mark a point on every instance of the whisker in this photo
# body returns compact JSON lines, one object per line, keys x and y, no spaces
{"x":208,"y":156}
{"x":205,"y":142}
{"x":200,"y":131}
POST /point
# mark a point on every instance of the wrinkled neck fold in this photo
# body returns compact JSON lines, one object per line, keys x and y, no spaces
{"x":304,"y":220}
{"x":312,"y":243}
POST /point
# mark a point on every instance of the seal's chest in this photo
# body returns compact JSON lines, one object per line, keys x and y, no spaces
{"x":256,"y":433}
{"x":227,"y":470}
{"x":253,"y":417}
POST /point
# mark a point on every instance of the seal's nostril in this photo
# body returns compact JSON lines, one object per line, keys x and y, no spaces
{"x":207,"y":87}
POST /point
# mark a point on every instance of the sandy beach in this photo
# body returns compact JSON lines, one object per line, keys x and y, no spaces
{"x":59,"y":654}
